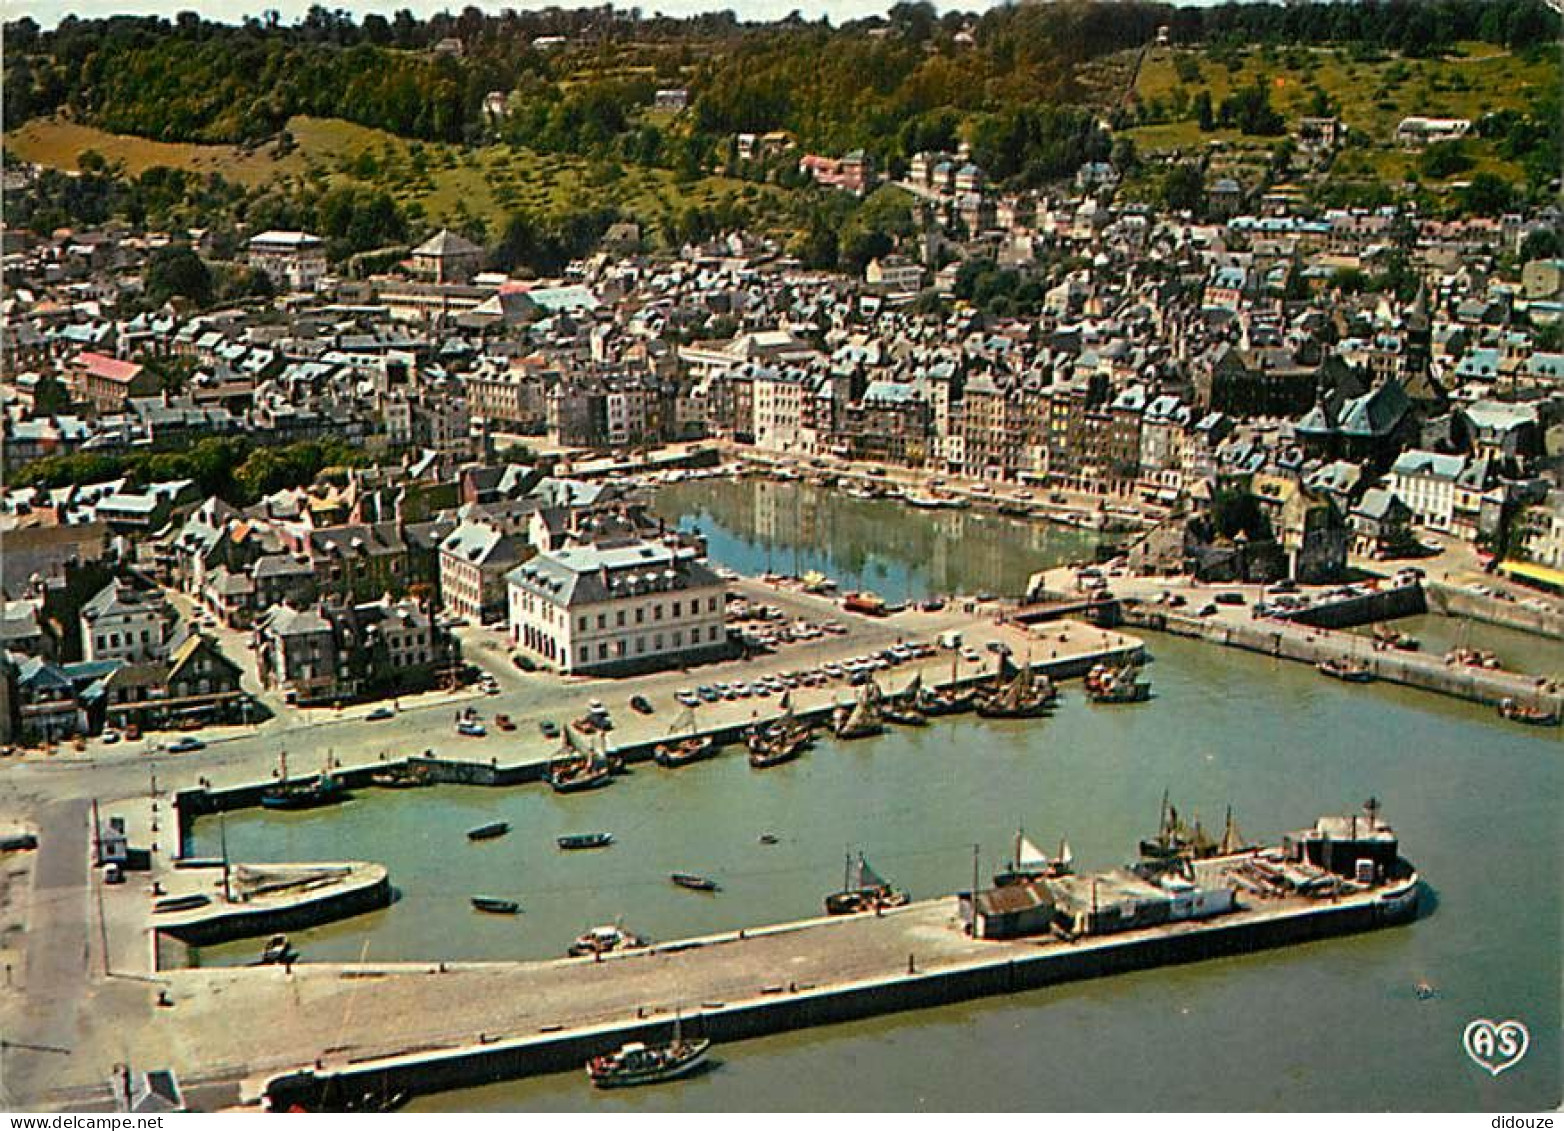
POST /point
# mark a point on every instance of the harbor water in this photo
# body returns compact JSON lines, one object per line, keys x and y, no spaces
{"x":1332,"y":1025}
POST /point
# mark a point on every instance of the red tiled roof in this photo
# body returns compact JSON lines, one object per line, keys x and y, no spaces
{"x":109,"y":368}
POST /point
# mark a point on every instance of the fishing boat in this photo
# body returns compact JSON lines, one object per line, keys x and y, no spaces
{"x":672,"y":755}
{"x":903,"y":715}
{"x":577,"y":773}
{"x":311,"y":793}
{"x":1349,"y":671}
{"x":862,"y":719}
{"x":767,"y":838}
{"x":402,"y":777}
{"x":490,"y":831}
{"x":1031,"y":863}
{"x":1389,"y":637}
{"x":1522,"y":713}
{"x":1107,"y":683}
{"x":693,"y":882}
{"x":636,"y":1063}
{"x":1172,"y":838}
{"x":605,"y":940}
{"x":780,"y":742}
{"x":492,"y":906}
{"x":278,"y":951}
{"x":863,"y":890}
{"x":307,"y":793}
{"x":1022,"y":698}
{"x":576,"y":841}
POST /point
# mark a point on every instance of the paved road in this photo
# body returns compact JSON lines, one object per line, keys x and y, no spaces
{"x":58,"y":951}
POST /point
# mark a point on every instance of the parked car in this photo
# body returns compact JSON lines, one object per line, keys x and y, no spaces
{"x":1207,"y":610}
{"x":640,"y":705}
{"x":1229,"y":598}
{"x":548,"y":728}
{"x":504,"y":722}
{"x":185,"y":745}
{"x":379,"y":714}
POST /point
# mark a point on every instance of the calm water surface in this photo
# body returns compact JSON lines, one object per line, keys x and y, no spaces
{"x":1327,"y":1026}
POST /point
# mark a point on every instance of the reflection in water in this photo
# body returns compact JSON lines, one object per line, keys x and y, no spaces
{"x":759,"y":526}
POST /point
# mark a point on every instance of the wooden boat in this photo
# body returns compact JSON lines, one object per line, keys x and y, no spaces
{"x":636,"y":1063}
{"x":1107,"y":683}
{"x":1022,"y":698}
{"x":780,"y":742}
{"x":572,"y":775}
{"x":311,"y":793}
{"x":489,"y":831}
{"x":694,"y":749}
{"x":605,"y":940}
{"x":492,"y":906}
{"x":1532,"y":716}
{"x":1031,"y":863}
{"x":861,"y":720}
{"x":1349,"y":671}
{"x":863,"y":890}
{"x":307,"y":793}
{"x":902,"y":715}
{"x":578,"y":841}
{"x":1172,"y":839}
{"x":1394,"y":638}
{"x":402,"y":777}
{"x":693,"y":882}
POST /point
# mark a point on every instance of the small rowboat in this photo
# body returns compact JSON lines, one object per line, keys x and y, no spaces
{"x":585,"y":840}
{"x":489,"y":831}
{"x":693,"y":882}
{"x":495,"y":906}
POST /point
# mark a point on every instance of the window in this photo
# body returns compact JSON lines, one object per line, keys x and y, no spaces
{"x":677,"y":608}
{"x":713,"y":632}
{"x":602,"y":651}
{"x":711,"y":606}
{"x":657,"y":642}
{"x":586,"y":653}
{"x":582,"y":624}
{"x":640,"y":615}
{"x":640,"y":645}
{"x":678,"y":638}
{"x":619,"y":618}
{"x":602,"y":621}
{"x":657,"y":611}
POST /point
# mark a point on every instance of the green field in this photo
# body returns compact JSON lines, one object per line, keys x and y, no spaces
{"x":435,"y":181}
{"x":1371,"y":95}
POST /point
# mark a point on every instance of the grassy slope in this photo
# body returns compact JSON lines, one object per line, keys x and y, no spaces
{"x":1372,"y":97}
{"x":436,"y":178}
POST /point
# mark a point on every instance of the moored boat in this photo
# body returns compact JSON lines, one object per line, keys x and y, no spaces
{"x":675,"y":754}
{"x":1524,"y":713}
{"x":1349,"y":671}
{"x":780,"y":742}
{"x":862,"y":719}
{"x":694,"y":882}
{"x":310,"y":793}
{"x":577,"y":841}
{"x":493,"y":906}
{"x":402,"y":777}
{"x":1107,"y":683}
{"x":490,"y":831}
{"x":1024,"y":697}
{"x":605,"y":940}
{"x":636,"y":1063}
{"x":1031,"y":863}
{"x":574,"y":774}
{"x":863,"y":890}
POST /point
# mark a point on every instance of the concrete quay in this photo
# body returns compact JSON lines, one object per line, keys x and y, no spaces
{"x":348,"y":1031}
{"x":1304,"y":644}
{"x":264,"y":898}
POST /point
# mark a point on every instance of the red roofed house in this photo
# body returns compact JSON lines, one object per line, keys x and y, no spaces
{"x":108,"y":382}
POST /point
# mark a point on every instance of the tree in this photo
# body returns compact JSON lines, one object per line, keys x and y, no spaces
{"x":1203,"y":112}
{"x":1488,"y":194}
{"x":1544,"y":243}
{"x":178,"y":272}
{"x":1183,"y":188}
